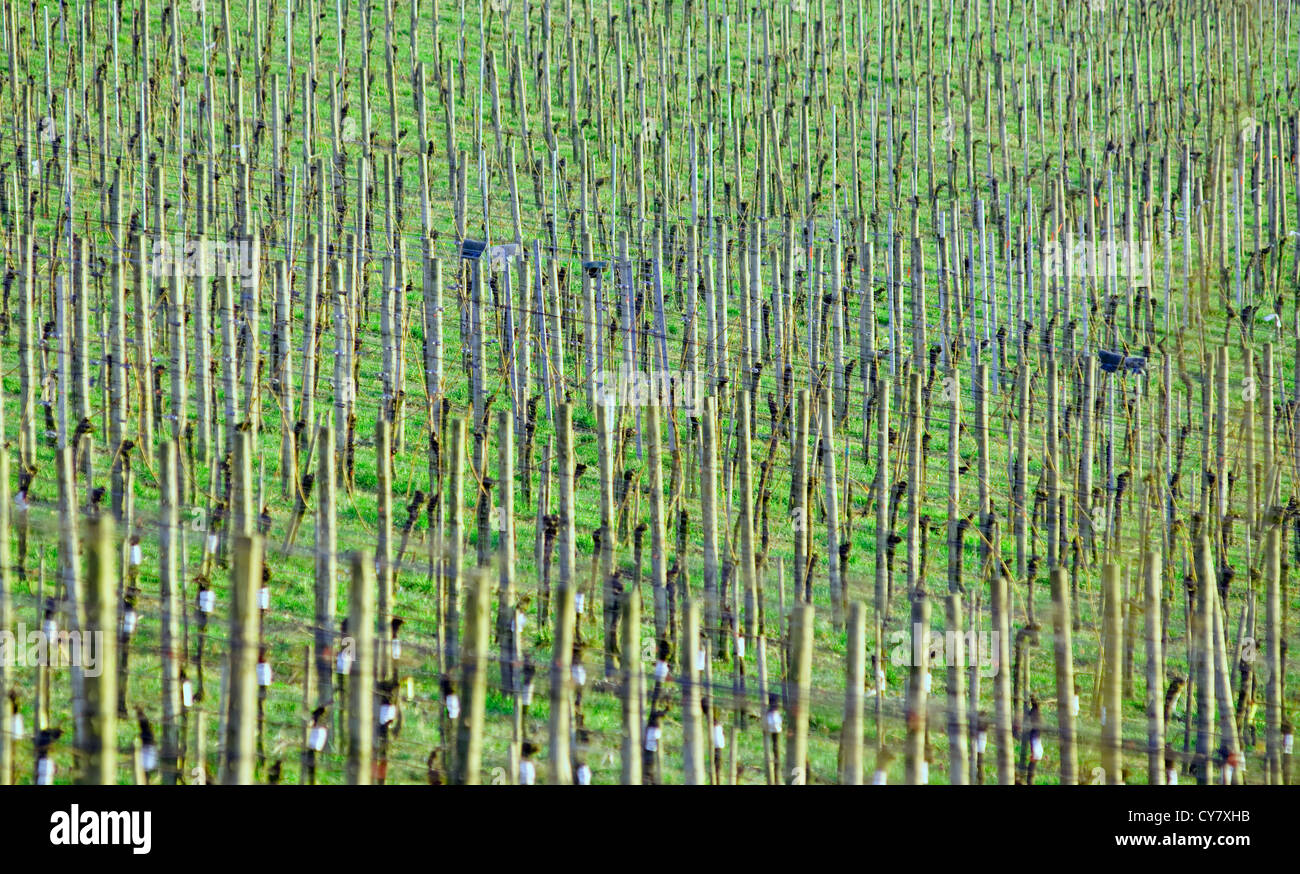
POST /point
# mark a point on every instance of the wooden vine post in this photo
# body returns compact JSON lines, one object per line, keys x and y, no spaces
{"x":99,"y":746}
{"x":361,"y":705}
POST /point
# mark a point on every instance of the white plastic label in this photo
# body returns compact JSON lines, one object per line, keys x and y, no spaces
{"x":981,"y":742}
{"x":212,"y":544}
{"x":928,"y":682}
{"x":699,"y":659}
{"x":652,"y":739}
{"x":579,"y":675}
{"x":527,"y":773}
{"x":774,"y":721}
{"x":387,"y":713}
{"x":149,"y":757}
{"x":50,"y":630}
{"x":207,"y":600}
{"x":317,"y":738}
{"x":453,"y":706}
{"x":343,"y":664}
{"x":584,"y":775}
{"x":1074,"y":705}
{"x":740,"y":646}
{"x":16,"y":726}
{"x":263,"y":673}
{"x":1036,"y":747}
{"x":397,"y":649}
{"x":44,"y":772}
{"x":187,"y":694}
{"x":580,"y":603}
{"x":1171,"y":776}
{"x":719,"y":737}
{"x":661,"y":671}
{"x":137,"y":556}
{"x":878,"y":778}
{"x":1288,"y":743}
{"x":263,"y":598}
{"x":128,"y":621}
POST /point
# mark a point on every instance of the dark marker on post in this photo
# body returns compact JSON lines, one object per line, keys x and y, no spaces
{"x":148,"y":745}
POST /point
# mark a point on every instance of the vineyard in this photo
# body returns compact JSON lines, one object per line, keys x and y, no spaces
{"x":502,"y":392}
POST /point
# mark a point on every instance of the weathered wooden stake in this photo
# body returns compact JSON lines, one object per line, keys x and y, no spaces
{"x":241,"y":714}
{"x":473,"y":682}
{"x":795,"y":771}
{"x":855,"y":678}
{"x":361,"y":704}
{"x":99,"y":746}
{"x":1112,"y":717}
